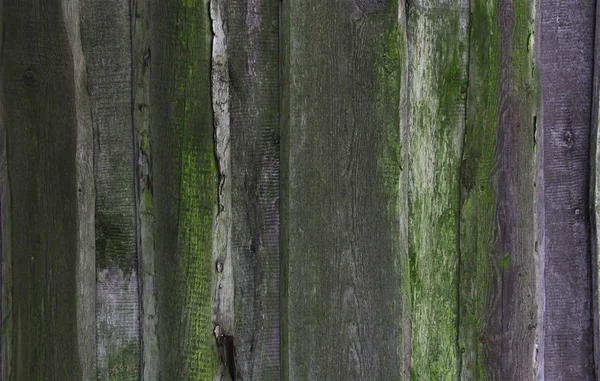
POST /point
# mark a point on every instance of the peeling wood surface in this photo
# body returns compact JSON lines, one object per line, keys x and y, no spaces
{"x":253,"y":60}
{"x":341,"y":258}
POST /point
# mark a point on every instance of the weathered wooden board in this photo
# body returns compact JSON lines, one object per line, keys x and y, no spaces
{"x":184,"y":187}
{"x":566,"y":62}
{"x":341,"y":279}
{"x":595,"y":195}
{"x":106,"y":40}
{"x":498,"y":300}
{"x":141,"y":58}
{"x":253,"y":68}
{"x":437,"y":73}
{"x":47,"y":195}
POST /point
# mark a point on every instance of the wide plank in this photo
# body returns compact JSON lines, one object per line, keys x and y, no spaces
{"x":341,"y":168}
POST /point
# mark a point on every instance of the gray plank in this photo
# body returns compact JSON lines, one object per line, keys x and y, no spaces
{"x":341,"y":272}
{"x":141,"y":59}
{"x":106,"y":40}
{"x":253,"y":61}
{"x":566,"y":59}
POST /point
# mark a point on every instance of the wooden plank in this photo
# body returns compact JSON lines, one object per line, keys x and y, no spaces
{"x":45,"y":196}
{"x":437,"y":51}
{"x":253,"y":61}
{"x":184,"y":187}
{"x":595,"y":195}
{"x":341,"y":271}
{"x":498,"y":300}
{"x":106,"y":39}
{"x":566,"y":63}
{"x":141,"y":59}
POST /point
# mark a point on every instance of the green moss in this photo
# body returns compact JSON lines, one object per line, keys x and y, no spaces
{"x":123,"y":365}
{"x":478,"y":195}
{"x":197,"y":187}
{"x":437,"y":92}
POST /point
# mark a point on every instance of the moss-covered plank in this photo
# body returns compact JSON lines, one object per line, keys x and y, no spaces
{"x":341,"y":169}
{"x":566,"y":64}
{"x":253,"y":61}
{"x":437,"y":56}
{"x":498,"y":300}
{"x":184,"y":187}
{"x":45,"y":197}
{"x":106,"y":39}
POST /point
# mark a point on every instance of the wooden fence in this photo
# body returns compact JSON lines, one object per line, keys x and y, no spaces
{"x":299,"y":190}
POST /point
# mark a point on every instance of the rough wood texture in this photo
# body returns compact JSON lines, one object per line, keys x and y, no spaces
{"x":498,"y":305}
{"x":253,"y":47}
{"x":86,"y":194}
{"x":141,"y":56}
{"x":184,"y":187}
{"x":340,"y":173}
{"x":566,"y":59}
{"x":437,"y":56}
{"x":106,"y":39}
{"x":595,"y":195}
{"x":43,"y":194}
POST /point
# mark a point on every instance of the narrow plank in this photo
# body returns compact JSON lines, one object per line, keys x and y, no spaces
{"x":41,"y":220}
{"x":253,"y":60}
{"x":498,"y":300}
{"x":403,"y":193}
{"x":184,"y":187}
{"x":340,"y":181}
{"x":595,"y":194}
{"x":141,"y":59}
{"x":106,"y":39}
{"x":437,"y":51}
{"x":566,"y":63}
{"x":86,"y":197}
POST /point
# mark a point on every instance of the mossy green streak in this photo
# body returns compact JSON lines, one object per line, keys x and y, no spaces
{"x":478,"y":194}
{"x":436,"y":73}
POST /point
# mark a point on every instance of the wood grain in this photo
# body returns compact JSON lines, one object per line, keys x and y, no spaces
{"x":41,"y":194}
{"x":341,"y":272}
{"x":498,"y":299}
{"x":141,"y":63}
{"x":106,"y":39}
{"x":437,"y":56}
{"x":253,"y":59}
{"x":184,"y":187}
{"x":595,"y":195}
{"x":566,"y":59}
